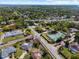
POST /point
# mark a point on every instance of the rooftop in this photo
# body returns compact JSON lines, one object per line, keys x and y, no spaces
{"x":13,"y":33}
{"x":26,"y":46}
{"x":56,"y":36}
{"x":73,"y":29}
{"x":6,"y":51}
{"x":74,"y":48}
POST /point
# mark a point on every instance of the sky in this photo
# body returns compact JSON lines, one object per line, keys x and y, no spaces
{"x":41,"y":2}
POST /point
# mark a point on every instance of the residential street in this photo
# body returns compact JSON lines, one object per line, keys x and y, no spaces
{"x":51,"y":49}
{"x":14,"y":41}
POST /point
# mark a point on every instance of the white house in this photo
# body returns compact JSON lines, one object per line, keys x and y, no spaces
{"x":6,"y":52}
{"x":26,"y":46}
{"x":13,"y":33}
{"x":1,"y":29}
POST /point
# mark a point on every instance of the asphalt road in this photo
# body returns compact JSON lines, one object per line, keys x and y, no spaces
{"x":13,"y":42}
{"x":50,"y":48}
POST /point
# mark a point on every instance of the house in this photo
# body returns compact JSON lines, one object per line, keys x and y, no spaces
{"x":1,"y":35}
{"x":13,"y":33}
{"x":72,"y":34}
{"x":36,"y":24}
{"x":36,"y":54}
{"x":3,"y":23}
{"x":1,"y":29}
{"x":11,"y":21}
{"x":76,"y":22}
{"x":26,"y":46}
{"x":73,"y":30}
{"x":6,"y":52}
{"x":74,"y":48}
{"x":56,"y":37}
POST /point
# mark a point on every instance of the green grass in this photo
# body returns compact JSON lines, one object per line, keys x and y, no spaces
{"x":18,"y":49}
{"x":1,"y":33}
{"x":18,"y":52}
{"x":12,"y":38}
{"x":67,"y":53}
{"x":47,"y":56}
{"x":46,"y":38}
{"x":27,"y":56}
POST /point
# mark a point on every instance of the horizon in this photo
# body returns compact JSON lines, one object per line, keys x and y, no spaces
{"x":39,"y":2}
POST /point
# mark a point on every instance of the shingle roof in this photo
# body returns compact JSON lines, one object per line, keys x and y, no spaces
{"x":5,"y":52}
{"x":75,"y":47}
{"x":13,"y":33}
{"x":73,"y":29}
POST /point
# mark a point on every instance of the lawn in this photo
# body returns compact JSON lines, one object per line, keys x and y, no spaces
{"x":66,"y":53}
{"x":12,"y":38}
{"x":46,"y":38}
{"x":27,"y":56}
{"x":47,"y":56}
{"x":18,"y":52}
{"x":18,"y":49}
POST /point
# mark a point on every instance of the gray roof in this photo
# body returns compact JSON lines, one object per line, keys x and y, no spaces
{"x":26,"y":46}
{"x":13,"y":33}
{"x":76,"y":22}
{"x":73,"y":29}
{"x":5,"y":52}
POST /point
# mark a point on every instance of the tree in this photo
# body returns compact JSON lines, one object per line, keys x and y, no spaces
{"x":65,"y":29}
{"x":77,"y":36}
{"x":38,"y":29}
{"x":1,"y":18}
{"x":6,"y":28}
{"x":36,"y":44}
{"x":12,"y":27}
{"x":27,"y":31}
{"x":75,"y":56}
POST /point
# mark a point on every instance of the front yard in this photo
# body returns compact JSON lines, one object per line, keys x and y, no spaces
{"x":68,"y":54}
{"x":19,"y":50}
{"x":5,"y":40}
{"x":44,"y":35}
